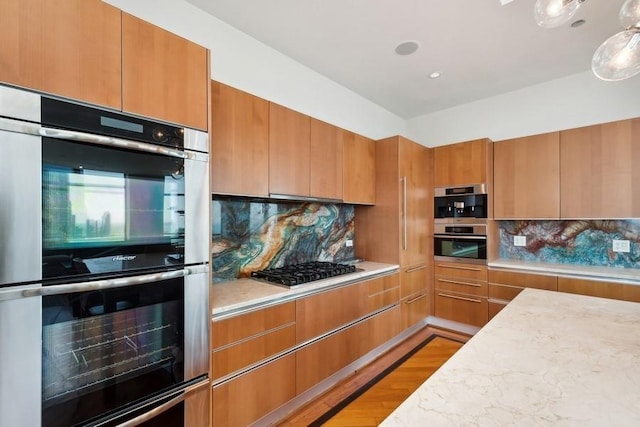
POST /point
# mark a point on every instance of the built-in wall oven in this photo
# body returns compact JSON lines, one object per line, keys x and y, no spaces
{"x":104,"y":307}
{"x":460,"y":223}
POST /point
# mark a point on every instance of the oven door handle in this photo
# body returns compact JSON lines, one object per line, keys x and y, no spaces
{"x":17,"y":126}
{"x":98,"y":285}
{"x":460,"y":236}
{"x":165,"y":406}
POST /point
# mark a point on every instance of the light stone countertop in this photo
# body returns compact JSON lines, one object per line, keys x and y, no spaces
{"x":547,"y":359}
{"x":623,"y":275}
{"x":236,"y":296}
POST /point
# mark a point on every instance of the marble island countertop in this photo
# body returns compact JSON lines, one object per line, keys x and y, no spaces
{"x":623,"y":275}
{"x":547,"y":359}
{"x":234,"y":296}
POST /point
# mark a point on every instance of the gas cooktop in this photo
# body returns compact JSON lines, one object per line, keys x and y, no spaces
{"x":298,"y":274}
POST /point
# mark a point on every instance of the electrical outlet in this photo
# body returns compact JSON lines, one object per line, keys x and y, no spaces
{"x":519,"y":240}
{"x":621,"y":246}
{"x":349,"y":243}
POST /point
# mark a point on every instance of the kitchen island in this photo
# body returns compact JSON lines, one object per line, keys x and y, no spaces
{"x":548,"y":358}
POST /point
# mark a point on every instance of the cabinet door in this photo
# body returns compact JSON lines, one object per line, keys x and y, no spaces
{"x":239,"y":142}
{"x":69,"y":48}
{"x":163,"y":75}
{"x":462,"y":163}
{"x":414,"y":309}
{"x":415,"y":200}
{"x":289,"y":133}
{"x":601,"y":171}
{"x":359,"y":170}
{"x":325,"y":168}
{"x":413,"y":279}
{"x":527,"y":177}
{"x":598,"y":288}
{"x":506,"y":285}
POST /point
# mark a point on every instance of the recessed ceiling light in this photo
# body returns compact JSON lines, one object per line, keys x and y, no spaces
{"x":407,"y":48}
{"x":578,"y":23}
{"x":435,"y":75}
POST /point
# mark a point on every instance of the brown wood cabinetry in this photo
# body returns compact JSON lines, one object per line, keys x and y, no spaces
{"x":325,"y":163}
{"x":527,"y":177}
{"x":463,"y":163}
{"x":359,"y":170}
{"x":601,"y":171}
{"x":90,"y":51}
{"x":250,"y":396}
{"x":243,"y":340}
{"x":163,"y":75}
{"x":239,"y":142}
{"x":505,"y":285}
{"x":414,"y":308}
{"x":461,"y":292}
{"x":599,"y":288}
{"x":70,"y":48}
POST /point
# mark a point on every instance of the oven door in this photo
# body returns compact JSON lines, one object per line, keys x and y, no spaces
{"x":472,"y":249}
{"x":115,"y":345}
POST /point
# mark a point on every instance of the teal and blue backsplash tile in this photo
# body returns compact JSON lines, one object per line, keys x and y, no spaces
{"x":250,"y":236}
{"x":580,"y":242}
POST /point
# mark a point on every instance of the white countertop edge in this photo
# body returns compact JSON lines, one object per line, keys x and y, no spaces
{"x":622,"y":275}
{"x":275,"y":294}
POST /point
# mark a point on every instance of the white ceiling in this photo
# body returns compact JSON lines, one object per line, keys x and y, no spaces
{"x":481,"y":48}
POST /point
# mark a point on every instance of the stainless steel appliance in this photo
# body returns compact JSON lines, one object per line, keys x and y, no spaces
{"x":460,"y":204}
{"x":104,"y":228}
{"x":466,"y":242}
{"x":297,"y":274}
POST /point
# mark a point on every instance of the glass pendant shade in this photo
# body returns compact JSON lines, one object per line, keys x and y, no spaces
{"x":630,"y":14}
{"x":618,"y":58}
{"x":553,"y":13}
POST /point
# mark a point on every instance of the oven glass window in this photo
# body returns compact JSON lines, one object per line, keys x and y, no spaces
{"x":104,"y":350}
{"x":107,"y":210}
{"x":461,"y":248}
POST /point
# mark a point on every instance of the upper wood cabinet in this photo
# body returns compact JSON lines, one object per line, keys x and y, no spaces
{"x":239,"y":142}
{"x":289,"y":151}
{"x":325,"y":167}
{"x":462,"y":163}
{"x":601,"y":171}
{"x":69,"y":48}
{"x":163,"y":75}
{"x":527,"y":177}
{"x":359,"y":170}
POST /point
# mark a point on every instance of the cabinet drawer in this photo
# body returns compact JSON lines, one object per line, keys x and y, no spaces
{"x":245,"y":353}
{"x":465,"y":286}
{"x":227,"y":331}
{"x":414,"y":309}
{"x":523,"y":280}
{"x":599,"y":288}
{"x":413,"y":279}
{"x":461,"y":270}
{"x":461,"y":308}
{"x":383,"y":299}
{"x":495,"y":306}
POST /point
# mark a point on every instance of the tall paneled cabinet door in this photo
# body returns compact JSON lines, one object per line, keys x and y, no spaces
{"x":527,"y":177}
{"x":68,"y":48}
{"x":359,"y":170}
{"x":239,"y":142}
{"x":601,"y":171}
{"x":326,"y":144}
{"x":289,"y":151}
{"x":163,"y":75}
{"x":463,"y":163}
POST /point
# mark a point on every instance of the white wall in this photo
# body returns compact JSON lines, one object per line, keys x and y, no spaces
{"x":247,"y":64}
{"x":574,"y":101}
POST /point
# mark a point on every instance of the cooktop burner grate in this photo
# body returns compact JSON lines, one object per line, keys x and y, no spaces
{"x":298,"y":274}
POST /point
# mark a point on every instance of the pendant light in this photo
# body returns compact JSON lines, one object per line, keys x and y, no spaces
{"x":553,"y":13}
{"x":618,"y":58}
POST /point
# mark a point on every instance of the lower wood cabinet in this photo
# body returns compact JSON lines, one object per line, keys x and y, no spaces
{"x":599,"y":288}
{"x":505,"y":285}
{"x":460,"y":292}
{"x":414,"y":308}
{"x":413,"y":279}
{"x":245,"y":399}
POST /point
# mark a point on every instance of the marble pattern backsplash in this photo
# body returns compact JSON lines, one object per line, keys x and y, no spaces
{"x":250,"y":235}
{"x":580,"y":242}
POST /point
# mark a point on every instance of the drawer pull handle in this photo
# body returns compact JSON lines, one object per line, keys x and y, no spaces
{"x":411,"y":270}
{"x":460,"y":298}
{"x":455,"y":267}
{"x":419,"y":297}
{"x":455,"y":282}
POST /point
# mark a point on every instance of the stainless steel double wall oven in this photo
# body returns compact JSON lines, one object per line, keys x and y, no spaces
{"x":104,"y":308}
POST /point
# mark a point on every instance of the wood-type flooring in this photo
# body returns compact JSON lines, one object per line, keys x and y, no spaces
{"x":339,"y":407}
